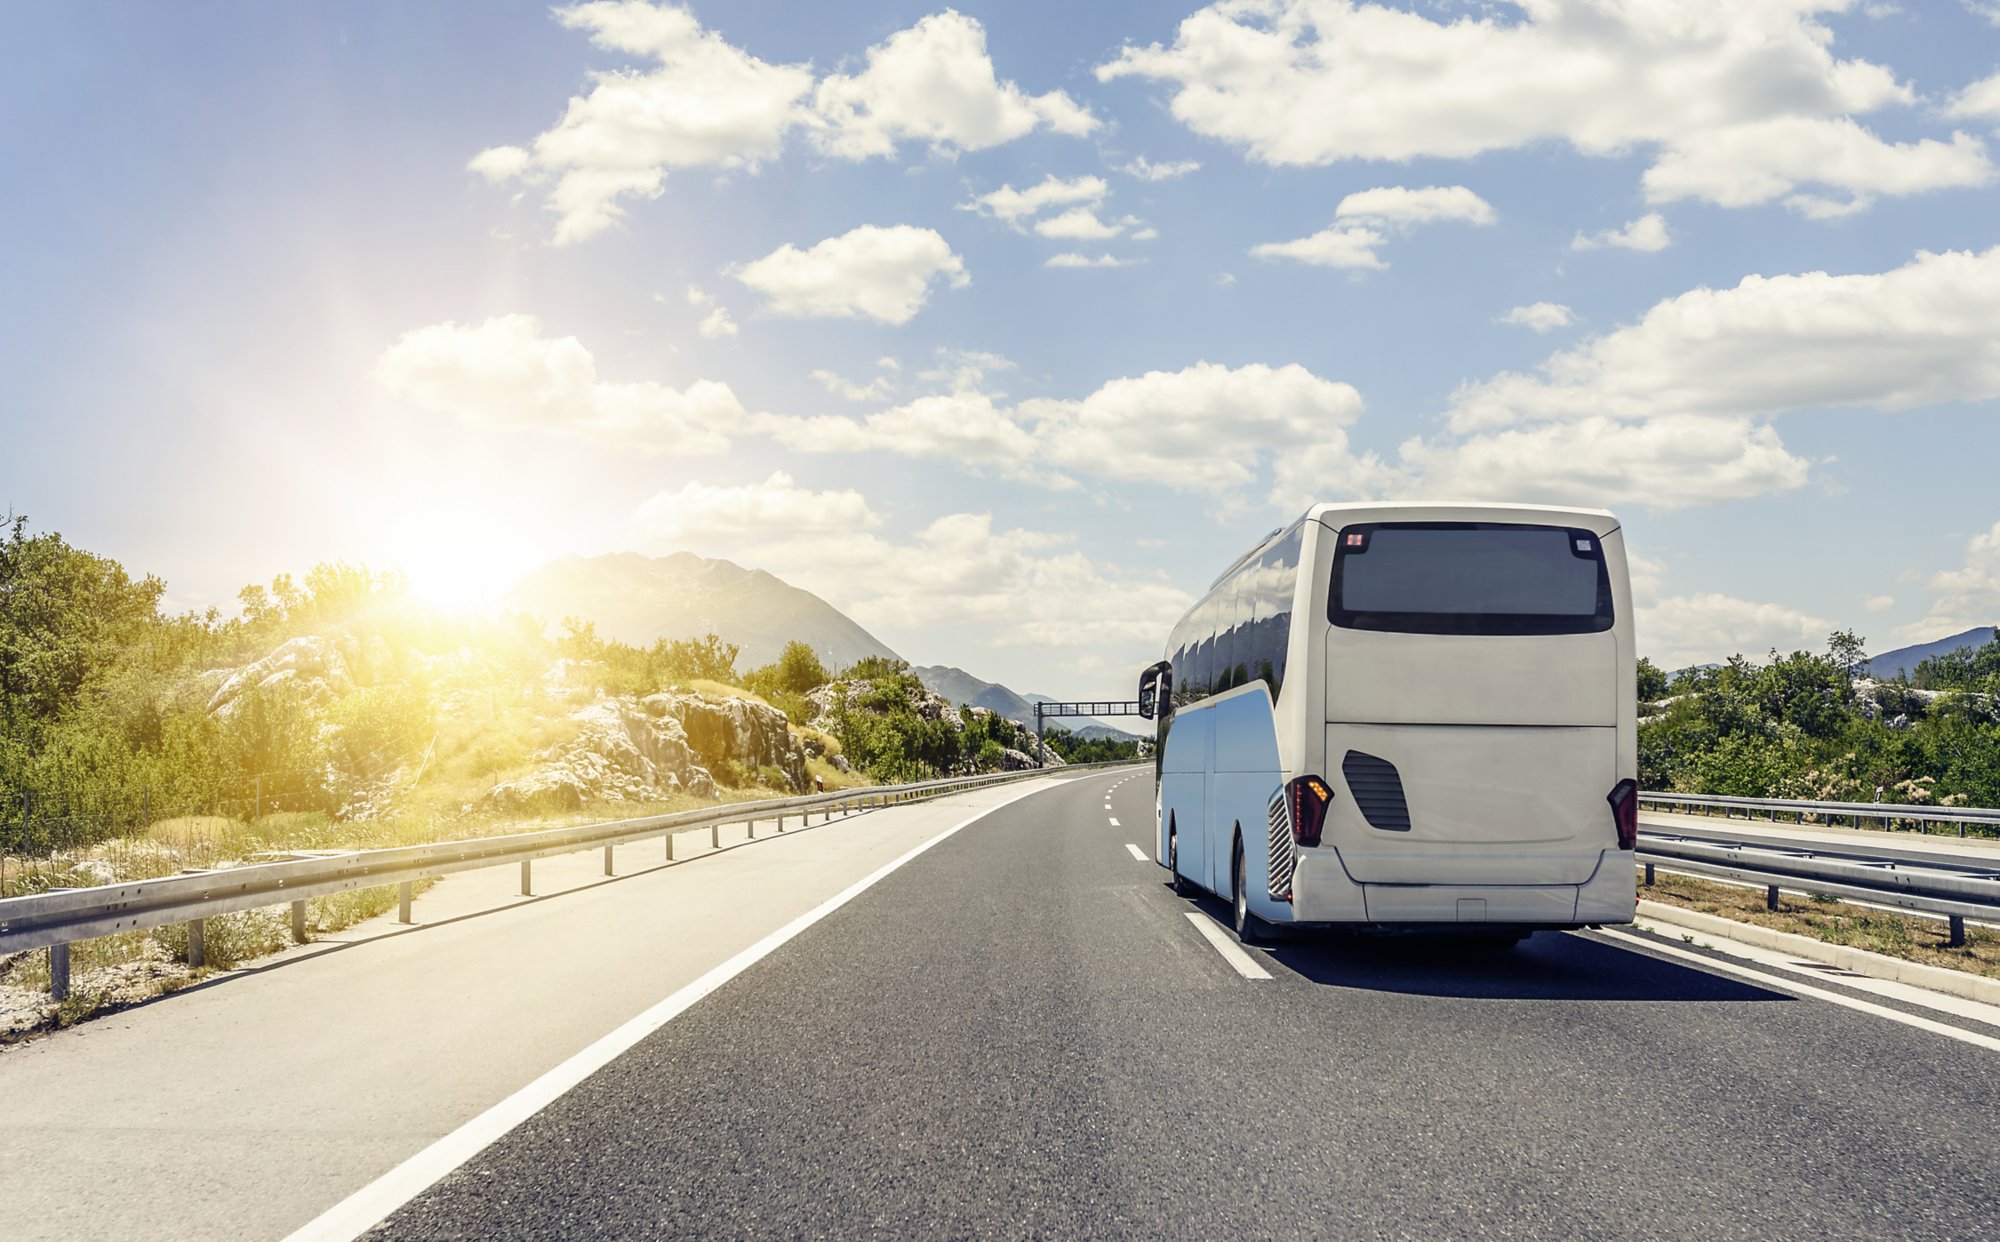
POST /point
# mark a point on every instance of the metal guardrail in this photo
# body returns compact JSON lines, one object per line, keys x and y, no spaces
{"x":1885,"y":813}
{"x":56,"y":919}
{"x":1954,"y":888}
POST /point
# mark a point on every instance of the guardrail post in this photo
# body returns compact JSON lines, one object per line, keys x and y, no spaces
{"x":404,"y":892}
{"x":607,"y":861}
{"x":1956,"y":940}
{"x":1649,"y":875}
{"x":298,"y":922}
{"x":781,"y":823}
{"x":527,"y":877}
{"x":59,"y":972}
{"x":715,"y":835}
{"x":1771,"y":897}
{"x":670,"y":846}
{"x":197,"y":948}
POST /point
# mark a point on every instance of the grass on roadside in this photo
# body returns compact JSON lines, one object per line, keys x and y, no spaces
{"x":1821,"y":917}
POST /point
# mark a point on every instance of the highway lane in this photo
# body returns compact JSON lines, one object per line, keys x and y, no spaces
{"x":1020,"y":1033}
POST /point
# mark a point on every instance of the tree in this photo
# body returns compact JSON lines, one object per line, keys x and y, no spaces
{"x":1652,"y":682}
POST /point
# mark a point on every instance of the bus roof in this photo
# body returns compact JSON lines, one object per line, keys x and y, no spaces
{"x":1598,"y":521}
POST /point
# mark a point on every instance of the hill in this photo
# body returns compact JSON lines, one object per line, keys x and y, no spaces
{"x":638,"y":599}
{"x":1904,"y":660}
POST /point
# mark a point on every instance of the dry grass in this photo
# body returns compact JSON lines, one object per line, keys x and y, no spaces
{"x":1835,"y":922}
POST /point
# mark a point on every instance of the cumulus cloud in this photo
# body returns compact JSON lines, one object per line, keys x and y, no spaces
{"x":506,"y":373}
{"x":852,"y":390}
{"x":704,"y":102}
{"x":884,"y":274}
{"x":1540,"y":316}
{"x":1205,"y":428}
{"x":934,"y":83}
{"x":1980,"y":101}
{"x":1079,"y":224}
{"x":716,"y":324}
{"x":699,"y":515}
{"x":1685,"y":630}
{"x":1879,"y":603}
{"x":1339,"y":246}
{"x":1921,"y":334}
{"x":1737,"y":104}
{"x":1015,"y":206}
{"x":1071,"y":259}
{"x":1968,"y":596}
{"x":1401,"y":207}
{"x":1362,"y":221}
{"x":1167,"y":170}
{"x":1648,"y":233}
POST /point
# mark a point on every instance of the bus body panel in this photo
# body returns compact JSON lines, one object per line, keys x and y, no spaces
{"x":1424,"y":679}
{"x":1184,"y":792}
{"x":1486,"y":803}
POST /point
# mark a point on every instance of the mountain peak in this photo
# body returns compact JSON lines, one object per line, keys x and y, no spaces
{"x":639,"y":599}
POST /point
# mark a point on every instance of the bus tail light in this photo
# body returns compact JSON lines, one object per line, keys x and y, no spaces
{"x":1307,"y":798}
{"x":1624,"y":800}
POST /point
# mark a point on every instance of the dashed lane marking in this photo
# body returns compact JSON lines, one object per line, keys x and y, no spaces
{"x":1136,"y":852}
{"x":1114,"y":821}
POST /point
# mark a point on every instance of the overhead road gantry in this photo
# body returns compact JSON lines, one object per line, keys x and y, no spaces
{"x":1096,"y":708}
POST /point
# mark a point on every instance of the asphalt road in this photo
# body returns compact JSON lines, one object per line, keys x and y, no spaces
{"x":1020,"y":1033}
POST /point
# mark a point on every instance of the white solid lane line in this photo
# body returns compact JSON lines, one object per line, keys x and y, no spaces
{"x":1136,"y":852}
{"x":1783,"y":984}
{"x":362,"y":1210}
{"x":1231,"y":951}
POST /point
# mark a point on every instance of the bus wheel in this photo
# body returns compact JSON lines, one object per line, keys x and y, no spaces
{"x":1249,"y":928}
{"x":1183,"y":887}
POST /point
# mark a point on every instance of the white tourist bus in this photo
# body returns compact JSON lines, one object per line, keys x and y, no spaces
{"x":1413,"y":716}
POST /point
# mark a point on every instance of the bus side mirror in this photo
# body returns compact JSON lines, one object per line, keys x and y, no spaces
{"x":1150,"y":684}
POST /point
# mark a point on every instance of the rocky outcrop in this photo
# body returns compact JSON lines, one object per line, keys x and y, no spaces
{"x":318,"y":666}
{"x":755,"y":735}
{"x":621,"y":753}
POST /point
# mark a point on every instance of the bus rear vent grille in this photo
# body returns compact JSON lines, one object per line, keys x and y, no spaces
{"x":1377,"y":790}
{"x":1284,"y":852}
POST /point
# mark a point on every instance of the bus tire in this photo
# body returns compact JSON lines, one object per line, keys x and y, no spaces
{"x":1249,"y":928}
{"x":1182,"y":886}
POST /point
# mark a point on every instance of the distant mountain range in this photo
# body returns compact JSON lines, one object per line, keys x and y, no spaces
{"x":639,"y":599}
{"x":962,"y":687}
{"x":1904,"y":660}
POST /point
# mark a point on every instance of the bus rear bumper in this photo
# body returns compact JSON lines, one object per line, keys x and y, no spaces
{"x":1322,"y":892}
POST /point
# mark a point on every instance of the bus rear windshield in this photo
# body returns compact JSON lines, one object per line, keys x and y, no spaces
{"x":1470,"y":578}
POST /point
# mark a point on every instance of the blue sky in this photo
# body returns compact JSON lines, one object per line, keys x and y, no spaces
{"x":460,"y":288}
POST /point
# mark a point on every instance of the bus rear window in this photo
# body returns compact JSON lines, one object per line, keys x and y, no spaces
{"x":1470,"y":578}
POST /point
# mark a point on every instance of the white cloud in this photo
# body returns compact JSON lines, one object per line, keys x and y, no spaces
{"x":1540,"y":316}
{"x":699,"y":516}
{"x":1648,"y":233}
{"x":707,"y":103}
{"x":1205,"y":428}
{"x":1071,"y":259}
{"x":1737,"y":104}
{"x":1968,"y":596}
{"x":962,"y":572}
{"x":1980,"y":101}
{"x":874,"y":390}
{"x":1671,"y":462}
{"x":717,"y":323}
{"x":1924,"y":333}
{"x":1078,"y":224}
{"x":882,"y":274}
{"x":934,"y":83}
{"x":1403,"y":207}
{"x":1148,"y":233}
{"x":1338,"y":246}
{"x":1708,"y":628}
{"x":1357,"y":232}
{"x":1014,"y":206}
{"x":504,"y":372}
{"x":1879,"y":603}
{"x":1167,"y":170}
